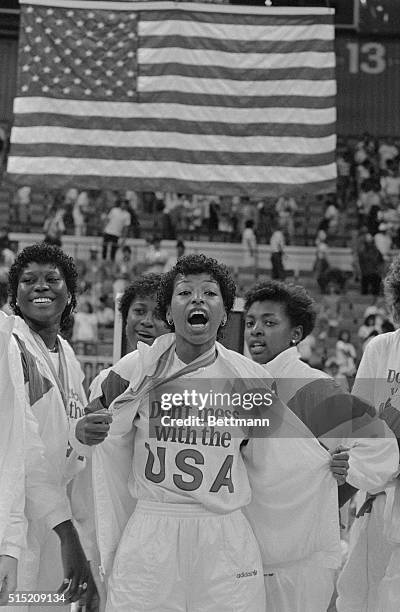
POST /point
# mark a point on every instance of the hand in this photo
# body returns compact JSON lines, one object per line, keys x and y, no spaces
{"x":93,"y":428}
{"x":76,"y":567}
{"x":8,"y":577}
{"x":90,"y":601}
{"x":340,"y":464}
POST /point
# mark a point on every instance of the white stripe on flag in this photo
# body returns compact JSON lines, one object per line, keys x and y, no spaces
{"x":234,"y":31}
{"x":229,"y":174}
{"x":236,"y":88}
{"x":114,"y":138}
{"x":198,"y":57}
{"x":83,"y":108}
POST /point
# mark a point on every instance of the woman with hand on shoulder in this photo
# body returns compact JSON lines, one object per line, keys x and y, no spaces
{"x":170,"y":501}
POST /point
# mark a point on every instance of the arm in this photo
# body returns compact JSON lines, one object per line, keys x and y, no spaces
{"x":47,"y":499}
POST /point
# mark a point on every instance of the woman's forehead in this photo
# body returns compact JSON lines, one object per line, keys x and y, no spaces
{"x":200,"y":277}
{"x":35,"y":266}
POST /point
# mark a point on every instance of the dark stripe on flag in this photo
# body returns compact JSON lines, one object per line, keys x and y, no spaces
{"x":258,"y":19}
{"x":102,"y":151}
{"x":176,"y":125}
{"x":236,"y":46}
{"x":238,"y":101}
{"x":238,"y":74}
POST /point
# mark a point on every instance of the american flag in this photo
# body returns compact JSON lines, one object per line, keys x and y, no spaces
{"x":191,"y":98}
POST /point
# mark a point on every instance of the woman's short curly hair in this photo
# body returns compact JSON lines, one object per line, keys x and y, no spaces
{"x":391,"y":286}
{"x":44,"y":253}
{"x":146,"y":285}
{"x":299,"y":306}
{"x":196,"y":264}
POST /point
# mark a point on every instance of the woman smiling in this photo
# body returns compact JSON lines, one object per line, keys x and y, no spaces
{"x":42,"y":285}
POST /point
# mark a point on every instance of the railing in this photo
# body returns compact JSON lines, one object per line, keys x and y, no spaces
{"x":92,"y":365}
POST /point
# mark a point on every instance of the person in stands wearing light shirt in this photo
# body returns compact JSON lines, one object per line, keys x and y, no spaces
{"x":118,"y":222}
{"x":277,"y":245}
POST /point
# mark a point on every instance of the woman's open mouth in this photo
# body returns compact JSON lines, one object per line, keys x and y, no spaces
{"x":198,"y":319}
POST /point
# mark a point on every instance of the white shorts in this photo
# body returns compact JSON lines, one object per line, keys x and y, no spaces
{"x":181,"y":557}
{"x":301,"y":587}
{"x":369,"y":555}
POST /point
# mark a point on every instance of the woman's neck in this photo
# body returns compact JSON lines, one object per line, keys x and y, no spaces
{"x":188,"y":352}
{"x":48,"y":334}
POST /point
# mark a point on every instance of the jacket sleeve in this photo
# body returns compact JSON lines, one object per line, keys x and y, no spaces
{"x":45,"y":498}
{"x":14,"y":538}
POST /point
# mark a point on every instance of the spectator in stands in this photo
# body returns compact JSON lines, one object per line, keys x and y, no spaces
{"x":84,"y":335}
{"x":285,"y":208}
{"x":369,"y":197}
{"x":249,"y":245}
{"x":54,"y":226}
{"x":80,"y":208}
{"x":331,"y":217}
{"x":370,"y":325}
{"x":371,"y":264}
{"x":365,"y":148}
{"x":321,"y":264}
{"x":213,"y":220}
{"x":332,"y":368}
{"x":343,"y":162}
{"x":266,"y":219}
{"x":117,"y":224}
{"x":180,"y":251}
{"x":387,"y":151}
{"x":383,"y":241}
{"x":6,"y":247}
{"x":331,"y":308}
{"x":346,"y":354}
{"x":390,"y":183}
{"x":22,"y":206}
{"x":155,"y":257}
{"x":277,"y":247}
{"x":124,"y":262}
{"x":105,"y":311}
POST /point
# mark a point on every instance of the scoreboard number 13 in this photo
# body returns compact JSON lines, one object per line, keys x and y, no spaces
{"x":368,"y":57}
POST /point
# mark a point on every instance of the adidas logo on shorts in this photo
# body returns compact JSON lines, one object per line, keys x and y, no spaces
{"x":247,"y":574}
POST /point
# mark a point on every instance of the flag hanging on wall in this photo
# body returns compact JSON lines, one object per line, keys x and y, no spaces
{"x":183,"y":97}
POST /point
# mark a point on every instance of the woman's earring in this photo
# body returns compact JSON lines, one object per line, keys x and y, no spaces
{"x":223,"y":322}
{"x":293,"y":342}
{"x":170,"y":322}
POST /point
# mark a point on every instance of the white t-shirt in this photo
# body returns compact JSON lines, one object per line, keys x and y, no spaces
{"x":118,"y":219}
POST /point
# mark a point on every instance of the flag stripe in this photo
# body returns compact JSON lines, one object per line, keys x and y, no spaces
{"x":200,"y":172}
{"x":248,"y":102}
{"x":237,"y":88}
{"x":223,"y":59}
{"x":195,"y":114}
{"x":319,"y":24}
{"x":237,"y":46}
{"x":226,"y":31}
{"x":183,"y":95}
{"x":177,"y":126}
{"x":147,"y":138}
{"x":95,"y":181}
{"x":160,"y":154}
{"x":239,"y":74}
